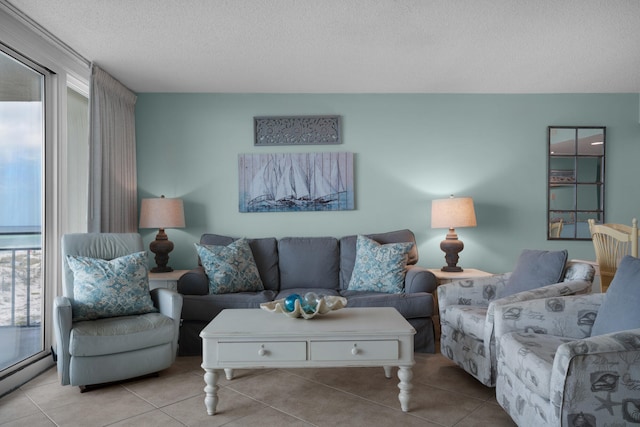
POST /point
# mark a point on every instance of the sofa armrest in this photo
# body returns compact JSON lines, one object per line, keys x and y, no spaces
{"x":478,"y":292}
{"x":194,"y":282}
{"x":565,"y":316}
{"x":580,"y":364}
{"x":419,"y":279}
{"x":62,"y":321}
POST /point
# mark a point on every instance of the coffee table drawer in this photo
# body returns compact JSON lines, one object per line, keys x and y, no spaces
{"x":355,"y":350}
{"x":262,"y":351}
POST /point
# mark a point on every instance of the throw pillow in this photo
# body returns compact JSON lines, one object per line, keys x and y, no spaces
{"x":230,"y":268}
{"x":534,"y":269}
{"x":102,"y":288}
{"x":379,"y":268}
{"x":619,"y":310}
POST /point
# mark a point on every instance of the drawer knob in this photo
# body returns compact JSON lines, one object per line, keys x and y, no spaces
{"x":355,"y":350}
{"x":262,"y":351}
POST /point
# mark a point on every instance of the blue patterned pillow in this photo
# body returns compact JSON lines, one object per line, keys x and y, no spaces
{"x":230,"y":268}
{"x":379,"y":268}
{"x":102,"y":288}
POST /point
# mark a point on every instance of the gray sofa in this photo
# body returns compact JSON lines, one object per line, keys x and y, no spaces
{"x":303,"y":264}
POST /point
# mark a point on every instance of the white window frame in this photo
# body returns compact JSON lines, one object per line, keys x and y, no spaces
{"x":22,"y":35}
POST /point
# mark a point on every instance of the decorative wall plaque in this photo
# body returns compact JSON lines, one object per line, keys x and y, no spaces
{"x":298,"y":130}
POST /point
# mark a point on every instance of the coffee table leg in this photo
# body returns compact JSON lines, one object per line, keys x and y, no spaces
{"x":405,"y":374}
{"x":211,"y":390}
{"x":387,"y":371}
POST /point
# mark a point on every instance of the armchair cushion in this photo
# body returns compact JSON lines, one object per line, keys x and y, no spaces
{"x":536,"y":268}
{"x":118,"y":335}
{"x":619,"y":311}
{"x":102,"y":288}
{"x":230,"y":268}
{"x":379,"y":268}
{"x":468,"y":318}
{"x":532,"y":359}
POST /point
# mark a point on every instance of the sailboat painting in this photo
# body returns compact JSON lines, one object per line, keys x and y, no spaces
{"x":296,"y":182}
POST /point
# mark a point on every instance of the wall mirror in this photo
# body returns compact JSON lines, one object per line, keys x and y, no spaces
{"x":575,"y":181}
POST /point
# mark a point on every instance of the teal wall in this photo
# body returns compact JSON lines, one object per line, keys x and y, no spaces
{"x":409,"y":149}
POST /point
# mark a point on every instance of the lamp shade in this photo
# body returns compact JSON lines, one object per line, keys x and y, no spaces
{"x":162,"y":213}
{"x":453,"y":212}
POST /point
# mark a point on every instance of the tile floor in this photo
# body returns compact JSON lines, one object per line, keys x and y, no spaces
{"x":443,"y":395}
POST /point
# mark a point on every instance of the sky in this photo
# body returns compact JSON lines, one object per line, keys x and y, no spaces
{"x":21,"y":140}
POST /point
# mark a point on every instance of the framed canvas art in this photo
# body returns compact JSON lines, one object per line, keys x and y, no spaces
{"x":290,"y":182}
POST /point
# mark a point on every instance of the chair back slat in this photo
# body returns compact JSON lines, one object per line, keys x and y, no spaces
{"x":612,"y":242}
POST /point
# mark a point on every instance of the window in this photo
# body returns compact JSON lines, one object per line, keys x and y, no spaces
{"x":33,"y":52}
{"x":22,"y":143}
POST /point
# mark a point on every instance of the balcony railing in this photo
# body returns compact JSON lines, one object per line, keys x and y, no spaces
{"x":20,"y":279}
{"x":21,"y":296}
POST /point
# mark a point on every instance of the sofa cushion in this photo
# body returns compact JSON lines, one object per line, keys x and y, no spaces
{"x":411,"y":306}
{"x":323,"y":292}
{"x":619,"y":310}
{"x":265,"y":254}
{"x":204,"y":308}
{"x":309,"y":262}
{"x":348,"y":251}
{"x":230,"y":268}
{"x":103,"y":288}
{"x":535,"y":268}
{"x":379,"y":268}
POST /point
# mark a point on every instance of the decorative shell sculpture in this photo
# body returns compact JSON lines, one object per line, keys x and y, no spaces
{"x":306,"y":307}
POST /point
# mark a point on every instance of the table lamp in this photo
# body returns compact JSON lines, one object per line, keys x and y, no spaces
{"x":451,"y":213}
{"x":161,"y":213}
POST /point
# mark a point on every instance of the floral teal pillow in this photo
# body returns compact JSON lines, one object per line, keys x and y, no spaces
{"x":102,"y":288}
{"x":230,"y":268}
{"x":379,"y":268}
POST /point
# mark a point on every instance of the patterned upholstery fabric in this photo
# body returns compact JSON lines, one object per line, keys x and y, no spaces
{"x":102,"y":288}
{"x":230,"y":268}
{"x":468,"y":338}
{"x":559,"y":374}
{"x":379,"y":268}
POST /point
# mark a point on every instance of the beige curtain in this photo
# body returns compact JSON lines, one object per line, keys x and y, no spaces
{"x":113,"y":205}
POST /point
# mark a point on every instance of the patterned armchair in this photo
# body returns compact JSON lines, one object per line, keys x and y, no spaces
{"x":467,"y":315}
{"x":552,"y":372}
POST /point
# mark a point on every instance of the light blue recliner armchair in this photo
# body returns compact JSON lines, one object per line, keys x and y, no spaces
{"x":115,"y":348}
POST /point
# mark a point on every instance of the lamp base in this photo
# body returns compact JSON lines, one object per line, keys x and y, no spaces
{"x":161,"y":270}
{"x":161,"y":247}
{"x":451,"y":246}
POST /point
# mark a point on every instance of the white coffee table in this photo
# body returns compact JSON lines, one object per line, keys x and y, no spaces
{"x":351,"y":337}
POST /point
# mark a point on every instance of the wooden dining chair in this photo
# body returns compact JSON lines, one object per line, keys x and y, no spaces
{"x":555,"y":228}
{"x":612,"y":242}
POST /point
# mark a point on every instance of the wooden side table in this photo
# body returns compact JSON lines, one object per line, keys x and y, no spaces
{"x":448,"y":277}
{"x":165,"y":280}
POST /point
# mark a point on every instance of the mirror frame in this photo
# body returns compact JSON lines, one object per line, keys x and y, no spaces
{"x":569,"y":180}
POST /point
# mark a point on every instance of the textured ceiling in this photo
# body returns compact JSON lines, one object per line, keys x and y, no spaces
{"x":354,"y":46}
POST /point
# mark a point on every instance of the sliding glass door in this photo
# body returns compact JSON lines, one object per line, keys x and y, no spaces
{"x":22,"y":140}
